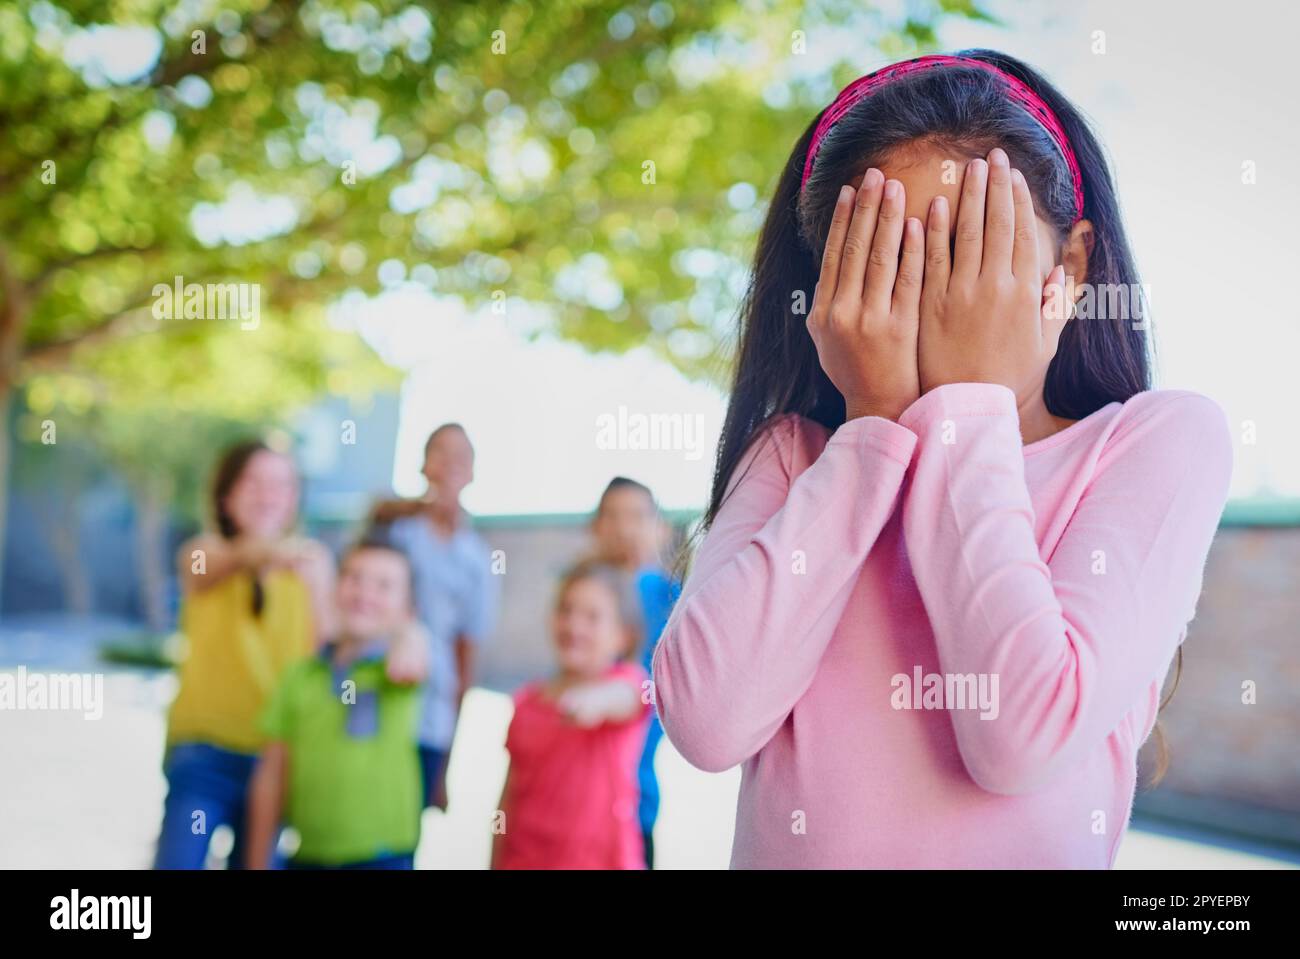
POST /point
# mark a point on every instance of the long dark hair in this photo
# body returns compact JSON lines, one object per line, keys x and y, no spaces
{"x":230,"y":467}
{"x":964,"y":109}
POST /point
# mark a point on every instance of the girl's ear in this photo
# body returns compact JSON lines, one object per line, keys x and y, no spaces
{"x":1077,"y":251}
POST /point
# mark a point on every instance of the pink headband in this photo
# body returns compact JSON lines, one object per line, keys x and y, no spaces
{"x":1018,"y":91}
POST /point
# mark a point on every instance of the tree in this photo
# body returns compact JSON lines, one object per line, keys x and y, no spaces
{"x":604,"y":158}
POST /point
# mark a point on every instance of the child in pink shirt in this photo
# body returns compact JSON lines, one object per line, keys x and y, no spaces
{"x":955,"y":538}
{"x":570,"y":797}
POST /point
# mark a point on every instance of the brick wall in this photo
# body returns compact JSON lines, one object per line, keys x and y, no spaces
{"x":1234,"y":765}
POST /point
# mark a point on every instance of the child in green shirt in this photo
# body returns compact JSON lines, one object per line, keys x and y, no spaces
{"x":341,"y":766}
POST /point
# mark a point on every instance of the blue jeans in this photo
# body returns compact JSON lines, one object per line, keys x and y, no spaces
{"x":202,"y":778}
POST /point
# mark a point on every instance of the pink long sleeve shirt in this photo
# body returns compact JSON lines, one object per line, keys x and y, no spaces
{"x":930,"y":646}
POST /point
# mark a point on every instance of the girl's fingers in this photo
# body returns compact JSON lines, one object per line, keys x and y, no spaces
{"x":882,"y":263}
{"x":1024,"y":255}
{"x":937,"y":264}
{"x":911,"y":271}
{"x":1055,"y":309}
{"x":969,"y":245}
{"x":861,"y":234}
{"x":835,"y":245}
{"x":999,"y":216}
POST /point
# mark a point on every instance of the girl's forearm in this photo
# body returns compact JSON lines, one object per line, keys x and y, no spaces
{"x":1067,"y":645}
{"x":390,"y":510}
{"x":770,"y":583}
{"x":205,"y":561}
{"x":618,"y":700}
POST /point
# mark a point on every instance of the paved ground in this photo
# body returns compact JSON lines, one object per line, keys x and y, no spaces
{"x":88,"y":794}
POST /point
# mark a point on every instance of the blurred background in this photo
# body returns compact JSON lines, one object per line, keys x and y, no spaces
{"x":526,"y":218}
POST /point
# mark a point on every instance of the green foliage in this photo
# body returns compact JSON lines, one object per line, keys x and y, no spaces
{"x":141,"y":650}
{"x":502,"y":151}
{"x":605,"y":160}
{"x":521,"y":135}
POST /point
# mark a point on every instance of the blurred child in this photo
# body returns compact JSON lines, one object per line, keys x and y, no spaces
{"x":256,"y":598}
{"x":570,"y":797}
{"x":629,"y":533}
{"x":456,"y":593}
{"x":341,"y":766}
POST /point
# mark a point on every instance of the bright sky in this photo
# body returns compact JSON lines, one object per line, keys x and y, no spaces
{"x":534,"y":410}
{"x":1180,"y":100}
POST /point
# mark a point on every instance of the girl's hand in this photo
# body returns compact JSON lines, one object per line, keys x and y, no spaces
{"x":988,"y":317}
{"x":866,"y":307}
{"x":306,"y":557}
{"x":313,"y":564}
{"x":257,"y":553}
{"x":293,"y":553}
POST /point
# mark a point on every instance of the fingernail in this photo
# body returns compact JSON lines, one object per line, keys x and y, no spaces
{"x":891,"y":189}
{"x":1017,"y":176}
{"x":976,"y":165}
{"x":846,"y":191}
{"x":998,"y":155}
{"x":873,"y":178}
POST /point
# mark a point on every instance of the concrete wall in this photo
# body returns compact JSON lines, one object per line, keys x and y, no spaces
{"x":536,"y":552}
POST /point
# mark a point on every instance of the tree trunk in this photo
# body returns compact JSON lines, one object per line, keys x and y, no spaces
{"x":151,"y":497}
{"x":5,"y":444}
{"x":13,"y":318}
{"x":65,"y":536}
